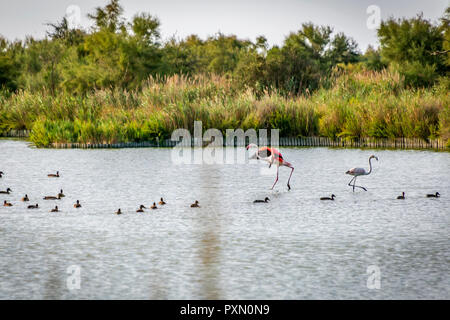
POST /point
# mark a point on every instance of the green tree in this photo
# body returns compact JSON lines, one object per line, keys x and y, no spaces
{"x":61,"y":31}
{"x":108,"y":17}
{"x":8,"y":67}
{"x":372,"y":59}
{"x":408,"y":46}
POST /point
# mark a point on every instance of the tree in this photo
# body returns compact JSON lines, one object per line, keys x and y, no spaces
{"x":146,"y":28}
{"x":8,"y":67}
{"x":108,"y":17}
{"x":408,"y":45}
{"x":61,"y":31}
{"x":372,"y":59}
{"x":342,"y":50}
{"x":445,"y":29}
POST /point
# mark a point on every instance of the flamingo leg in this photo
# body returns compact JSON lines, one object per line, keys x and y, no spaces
{"x":292,"y":171}
{"x":276,"y":180}
{"x":350,"y":183}
{"x":358,"y":186}
{"x":354,"y":184}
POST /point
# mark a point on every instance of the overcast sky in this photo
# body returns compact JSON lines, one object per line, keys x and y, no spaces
{"x":245,"y":18}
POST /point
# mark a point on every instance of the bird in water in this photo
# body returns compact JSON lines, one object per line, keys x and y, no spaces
{"x":356,"y":172}
{"x":402,"y":197}
{"x":61,"y":194}
{"x":434,"y":195}
{"x":1,"y":174}
{"x":52,"y":175}
{"x":161,"y":202}
{"x":52,"y":198}
{"x":272,"y":156}
{"x":329,"y":198}
{"x":33,"y":206}
{"x":195,"y":204}
{"x":24,"y":199}
{"x":141,"y":208}
{"x":262,"y":201}
{"x":119,"y":211}
{"x":8,"y":191}
{"x":7,"y":204}
{"x":55,"y":210}
{"x":154,"y":206}
{"x":77,"y":205}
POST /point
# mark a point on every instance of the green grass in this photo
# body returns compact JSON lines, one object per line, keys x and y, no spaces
{"x":364,"y":104}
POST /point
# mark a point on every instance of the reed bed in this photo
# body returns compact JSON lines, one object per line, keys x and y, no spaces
{"x":358,"y":105}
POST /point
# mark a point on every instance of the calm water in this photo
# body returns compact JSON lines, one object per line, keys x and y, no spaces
{"x":295,"y":247}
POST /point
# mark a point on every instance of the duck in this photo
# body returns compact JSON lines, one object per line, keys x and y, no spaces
{"x":7,"y":204}
{"x":141,"y":208}
{"x":119,"y":211}
{"x":55,"y":210}
{"x":434,"y":195}
{"x":161,"y":202}
{"x":77,"y":205}
{"x":1,"y":173}
{"x":24,"y":199}
{"x":52,"y":175}
{"x":402,"y":197}
{"x":261,"y":201}
{"x":52,"y":198}
{"x":195,"y":204}
{"x":328,"y":198}
{"x":8,"y":191}
{"x":154,"y":206}
{"x":61,"y":194}
{"x":33,"y":206}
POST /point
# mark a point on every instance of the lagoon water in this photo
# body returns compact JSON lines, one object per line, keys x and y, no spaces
{"x":295,"y":247}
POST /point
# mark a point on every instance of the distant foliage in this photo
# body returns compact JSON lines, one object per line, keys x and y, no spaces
{"x":116,"y":53}
{"x":414,"y":47}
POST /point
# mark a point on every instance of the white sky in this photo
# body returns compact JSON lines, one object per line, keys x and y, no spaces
{"x":246,"y":18}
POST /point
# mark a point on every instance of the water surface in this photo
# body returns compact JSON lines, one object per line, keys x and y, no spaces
{"x":295,"y":247}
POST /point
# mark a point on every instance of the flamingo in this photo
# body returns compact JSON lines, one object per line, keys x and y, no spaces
{"x":355,"y":172}
{"x":272,"y":156}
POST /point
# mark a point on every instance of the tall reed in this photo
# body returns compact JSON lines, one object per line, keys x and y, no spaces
{"x":364,"y":104}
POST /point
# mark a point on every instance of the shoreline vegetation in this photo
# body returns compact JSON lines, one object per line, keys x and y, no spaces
{"x":119,"y":83}
{"x":359,"y":105}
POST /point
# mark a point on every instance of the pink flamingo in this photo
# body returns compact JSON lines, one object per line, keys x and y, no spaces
{"x":272,"y":156}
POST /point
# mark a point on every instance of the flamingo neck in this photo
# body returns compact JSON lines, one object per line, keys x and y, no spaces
{"x":370,"y":166}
